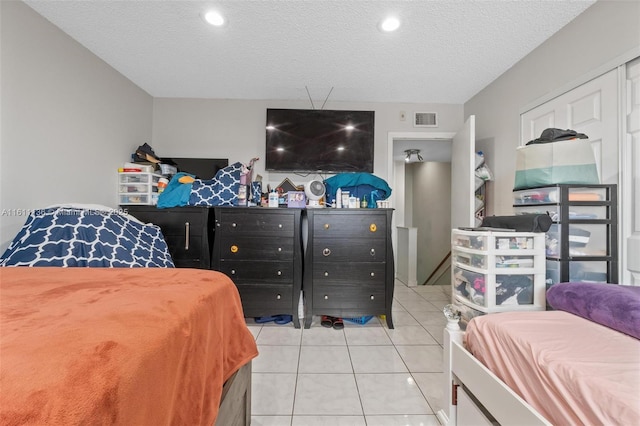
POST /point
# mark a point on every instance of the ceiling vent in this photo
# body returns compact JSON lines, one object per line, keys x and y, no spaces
{"x":425,"y":119}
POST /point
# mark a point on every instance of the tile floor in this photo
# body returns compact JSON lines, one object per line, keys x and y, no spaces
{"x":363,"y":375}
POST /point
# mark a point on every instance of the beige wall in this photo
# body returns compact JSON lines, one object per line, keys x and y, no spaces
{"x":235,"y":129}
{"x":604,"y":32}
{"x":68,"y":120}
{"x":431,"y":214}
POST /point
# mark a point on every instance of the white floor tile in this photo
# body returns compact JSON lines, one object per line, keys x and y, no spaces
{"x":403,"y":318}
{"x":327,"y":394}
{"x":376,"y":359}
{"x":323,"y":336}
{"x":391,"y":394}
{"x":432,"y":386}
{"x":403,"y":420}
{"x":276,"y":359}
{"x":328,"y":421}
{"x":367,"y":336}
{"x":272,"y":394}
{"x":419,"y":304}
{"x":325,"y":359}
{"x":280,"y":336}
{"x":422,"y":358}
{"x":410,"y":335}
{"x":270,"y":420}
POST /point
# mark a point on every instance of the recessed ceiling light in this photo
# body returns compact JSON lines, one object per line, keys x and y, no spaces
{"x":214,"y":18}
{"x":390,"y":24}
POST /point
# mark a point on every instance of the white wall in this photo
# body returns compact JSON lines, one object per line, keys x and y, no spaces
{"x":431,"y":214}
{"x":602,"y":33}
{"x":68,"y":121}
{"x":235,"y":129}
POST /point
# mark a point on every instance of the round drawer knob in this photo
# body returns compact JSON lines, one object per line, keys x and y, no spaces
{"x":326,"y":252}
{"x":326,"y":297}
{"x":372,"y":252}
{"x":278,"y":297}
{"x":326,"y":226}
{"x":326,"y":274}
{"x":372,"y":297}
{"x":279,"y":225}
{"x":373,"y":274}
{"x":279,"y":272}
{"x":234,"y":249}
{"x":373,"y":227}
{"x":233,"y":272}
{"x":233,"y":225}
{"x":279,"y":249}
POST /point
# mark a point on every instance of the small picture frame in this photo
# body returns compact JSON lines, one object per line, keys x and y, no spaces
{"x":296,"y":199}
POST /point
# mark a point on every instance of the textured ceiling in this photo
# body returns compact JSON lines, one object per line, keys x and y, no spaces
{"x":444,"y":52}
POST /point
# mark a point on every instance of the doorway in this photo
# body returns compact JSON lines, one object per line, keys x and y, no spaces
{"x":421,"y":198}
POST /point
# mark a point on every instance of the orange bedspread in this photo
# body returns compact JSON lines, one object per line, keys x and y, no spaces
{"x":141,"y":346}
{"x":571,"y":370}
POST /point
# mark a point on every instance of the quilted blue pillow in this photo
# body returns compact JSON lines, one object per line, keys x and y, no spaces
{"x":222,"y":190}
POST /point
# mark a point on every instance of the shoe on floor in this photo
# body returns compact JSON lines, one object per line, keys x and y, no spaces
{"x":327,"y":321}
{"x":338,"y":324}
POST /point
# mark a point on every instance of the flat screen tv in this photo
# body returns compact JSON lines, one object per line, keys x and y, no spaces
{"x":329,"y":141}
{"x":202,"y":168}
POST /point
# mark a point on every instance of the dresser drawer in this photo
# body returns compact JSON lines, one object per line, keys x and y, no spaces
{"x":242,"y":271}
{"x":265,"y":298}
{"x":349,"y":273}
{"x":255,"y":223}
{"x":349,"y":250}
{"x":179,"y":249}
{"x":174,"y":222}
{"x":248,"y":248}
{"x":364,"y":225}
{"x":365,"y":298}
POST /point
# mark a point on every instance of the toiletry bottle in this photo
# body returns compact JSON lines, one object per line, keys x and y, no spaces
{"x":363,"y":203}
{"x":338,"y":203}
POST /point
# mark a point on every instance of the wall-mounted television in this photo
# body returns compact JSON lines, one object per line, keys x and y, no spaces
{"x":328,"y":141}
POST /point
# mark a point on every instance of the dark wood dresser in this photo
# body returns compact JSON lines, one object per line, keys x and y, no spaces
{"x":348,"y":264}
{"x":260,"y":249}
{"x":188,"y":232}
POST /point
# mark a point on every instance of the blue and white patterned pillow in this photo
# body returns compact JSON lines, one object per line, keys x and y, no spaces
{"x":222,"y":190}
{"x":69,"y":236}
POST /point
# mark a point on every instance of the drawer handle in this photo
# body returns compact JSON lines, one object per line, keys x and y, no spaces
{"x":372,"y":252}
{"x":234,"y":249}
{"x":233,"y":225}
{"x":186,"y":235}
{"x":279,"y":272}
{"x":326,"y":252}
{"x":373,"y":227}
{"x":326,"y":226}
{"x":326,"y":274}
{"x":278,"y":297}
{"x":372,"y":297}
{"x":373,"y":274}
{"x":326,"y":297}
{"x":233,"y":272}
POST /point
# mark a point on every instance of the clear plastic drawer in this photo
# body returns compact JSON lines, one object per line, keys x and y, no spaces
{"x":135,"y":177}
{"x":514,"y":243}
{"x":134,"y":199}
{"x":481,"y":261}
{"x":584,"y":240}
{"x":575,"y":212}
{"x":478,"y":242}
{"x":579,"y":271}
{"x":472,"y":287}
{"x":135,"y":188}
{"x":552,"y":195}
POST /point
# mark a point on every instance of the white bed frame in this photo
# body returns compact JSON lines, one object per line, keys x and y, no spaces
{"x":465,"y":375}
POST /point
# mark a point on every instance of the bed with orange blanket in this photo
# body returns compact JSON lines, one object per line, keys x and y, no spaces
{"x":134,"y":346}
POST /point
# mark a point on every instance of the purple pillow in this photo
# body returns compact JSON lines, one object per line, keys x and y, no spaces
{"x":612,"y":305}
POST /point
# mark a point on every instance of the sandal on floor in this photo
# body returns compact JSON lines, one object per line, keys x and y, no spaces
{"x":262,"y":320}
{"x":326,"y":321}
{"x":283,"y":319}
{"x":338,"y":324}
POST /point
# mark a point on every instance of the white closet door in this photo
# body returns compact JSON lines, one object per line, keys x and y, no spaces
{"x":592,"y":109}
{"x":630,"y":194}
{"x":463,"y":152}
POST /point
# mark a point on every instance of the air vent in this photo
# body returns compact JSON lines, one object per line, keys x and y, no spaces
{"x":425,"y":119}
